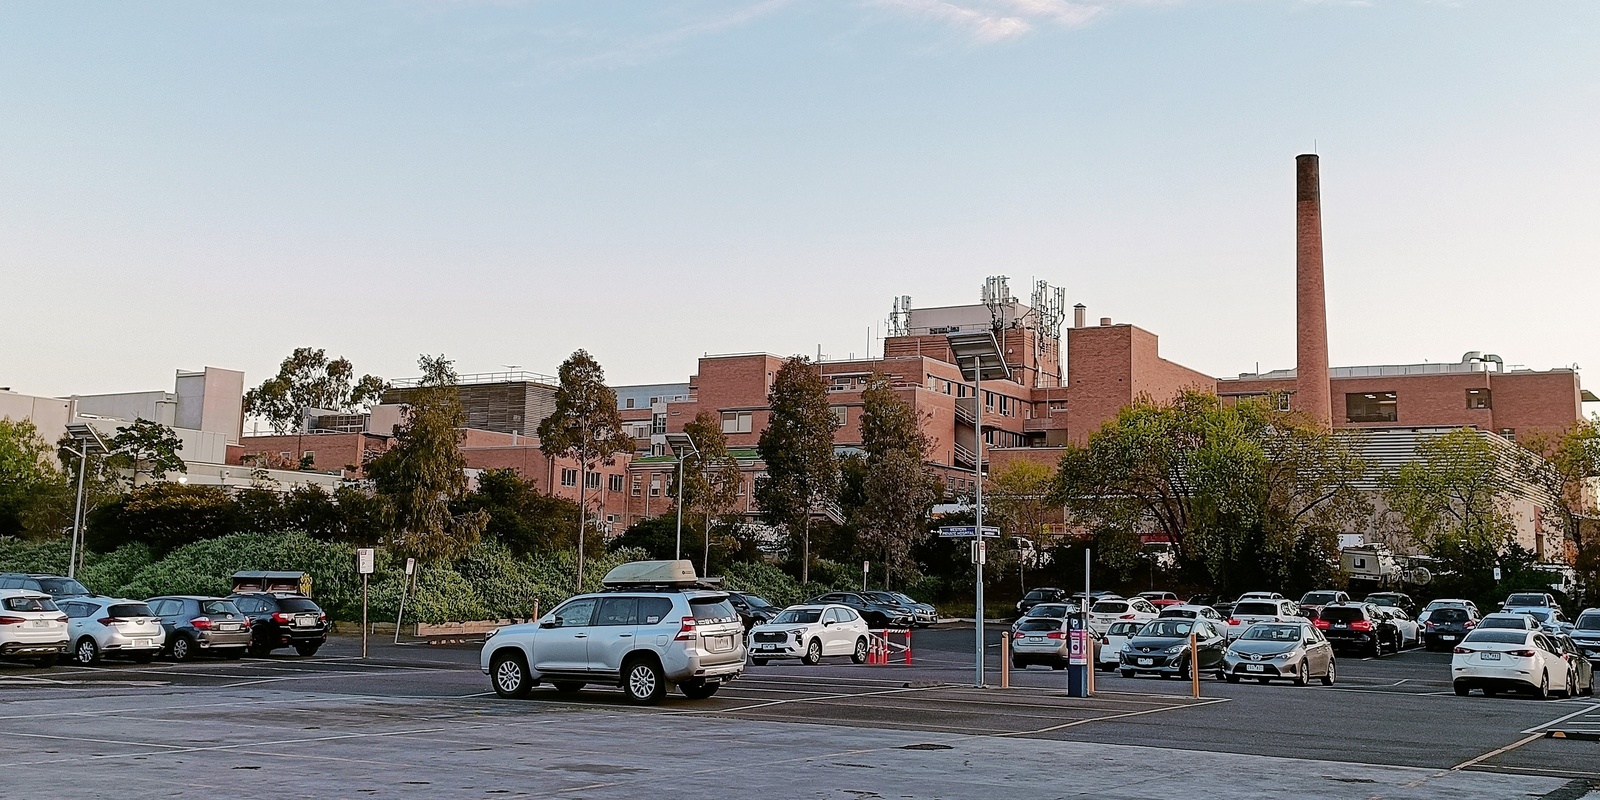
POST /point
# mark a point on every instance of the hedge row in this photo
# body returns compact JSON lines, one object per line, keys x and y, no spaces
{"x":489,"y":582}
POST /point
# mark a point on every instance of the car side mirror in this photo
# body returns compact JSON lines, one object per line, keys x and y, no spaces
{"x":827,"y":622}
{"x":550,"y":623}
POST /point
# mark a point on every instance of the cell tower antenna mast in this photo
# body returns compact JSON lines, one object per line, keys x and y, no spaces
{"x":900,"y":317}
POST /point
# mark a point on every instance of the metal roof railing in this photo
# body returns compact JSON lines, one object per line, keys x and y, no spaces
{"x":473,"y":378}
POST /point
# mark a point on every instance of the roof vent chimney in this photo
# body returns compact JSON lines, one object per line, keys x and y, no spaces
{"x":1105,"y":322}
{"x":1078,"y":315}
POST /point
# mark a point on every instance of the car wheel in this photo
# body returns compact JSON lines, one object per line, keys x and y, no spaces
{"x":87,"y":653}
{"x":1328,"y":677}
{"x":1127,"y":673}
{"x":259,"y":648}
{"x":1543,"y":692}
{"x":567,"y":687}
{"x":643,"y":682}
{"x":1571,"y":689}
{"x":1376,"y":650}
{"x":1231,"y":678}
{"x":1184,"y":668}
{"x":1462,"y":689}
{"x":813,"y":654}
{"x":700,"y":691}
{"x":307,"y":650}
{"x":183,"y":649}
{"x":510,"y":674}
{"x":1302,"y":674}
{"x":859,"y":655}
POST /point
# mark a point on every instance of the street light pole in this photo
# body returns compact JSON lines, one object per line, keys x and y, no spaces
{"x":677,"y":552}
{"x":977,"y":470}
{"x":77,"y":509}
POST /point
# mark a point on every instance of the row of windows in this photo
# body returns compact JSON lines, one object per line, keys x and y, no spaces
{"x":1385,"y":406}
{"x":569,"y":477}
{"x":629,"y":402}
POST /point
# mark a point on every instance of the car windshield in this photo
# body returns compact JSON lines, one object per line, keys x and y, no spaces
{"x":1274,"y":633}
{"x":29,"y":604}
{"x":712,"y":609}
{"x":1186,"y":613}
{"x":129,"y":610}
{"x":1038,"y":624}
{"x":757,"y":601}
{"x":1515,"y":622}
{"x":1052,"y":610}
{"x":218,"y":607}
{"x":902,"y":598}
{"x":1448,"y":615}
{"x":1496,"y":637}
{"x":1588,"y":622}
{"x":882,"y":597}
{"x":1541,"y":614}
{"x":1382,"y":600}
{"x":1124,"y":628}
{"x":1256,"y":609}
{"x":1110,"y":607}
{"x":799,"y":616}
{"x":1040,"y":594}
{"x":1167,"y":628}
{"x":61,"y":587}
{"x":1319,"y":598}
{"x":1525,"y":600}
{"x":1343,"y":614}
{"x":296,"y":604}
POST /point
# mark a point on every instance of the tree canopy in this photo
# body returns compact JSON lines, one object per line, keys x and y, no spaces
{"x":897,"y":488}
{"x":585,"y":427}
{"x":797,"y":447}
{"x":309,"y":379}
{"x":146,"y":448}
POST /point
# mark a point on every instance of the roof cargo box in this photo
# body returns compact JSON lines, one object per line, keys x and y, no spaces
{"x":266,"y":581}
{"x":653,"y":573}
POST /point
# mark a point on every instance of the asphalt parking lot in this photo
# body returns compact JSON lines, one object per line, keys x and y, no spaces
{"x":415,"y":720}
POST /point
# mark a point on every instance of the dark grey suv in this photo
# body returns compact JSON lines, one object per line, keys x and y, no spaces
{"x":283,"y":619}
{"x":197,"y":624}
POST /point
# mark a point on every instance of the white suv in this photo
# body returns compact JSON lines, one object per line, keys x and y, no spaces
{"x":649,"y":630}
{"x":809,"y":633}
{"x":31,"y":627}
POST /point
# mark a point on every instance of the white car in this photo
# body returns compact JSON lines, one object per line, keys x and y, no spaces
{"x":1422,"y":616}
{"x":1196,"y":612}
{"x":1410,"y":631}
{"x":1260,"y":596}
{"x":1106,"y":612}
{"x":1115,"y":638}
{"x":1507,"y":659}
{"x":31,"y":627}
{"x":107,"y":626}
{"x":809,"y":633}
{"x":1248,"y":612}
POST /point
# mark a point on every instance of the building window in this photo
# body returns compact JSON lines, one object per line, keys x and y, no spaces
{"x":1477,"y":398}
{"x":616,"y":483}
{"x":569,"y":477}
{"x":654,"y":400}
{"x":1283,"y":401}
{"x":736,"y":421}
{"x":638,"y":484}
{"x":1371,"y":407}
{"x":655,"y":487}
{"x":658,"y":449}
{"x":1509,"y":434}
{"x":611,"y":519}
{"x":658,"y":424}
{"x":630,"y":403}
{"x":591,"y":480}
{"x":841,"y":414}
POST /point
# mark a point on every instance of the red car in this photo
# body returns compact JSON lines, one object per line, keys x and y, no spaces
{"x":1161,"y":599}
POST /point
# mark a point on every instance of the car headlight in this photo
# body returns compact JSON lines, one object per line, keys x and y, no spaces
{"x":1175,"y":649}
{"x":491,"y":634}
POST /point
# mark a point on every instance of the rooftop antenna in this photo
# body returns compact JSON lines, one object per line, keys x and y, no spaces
{"x":900,"y":317}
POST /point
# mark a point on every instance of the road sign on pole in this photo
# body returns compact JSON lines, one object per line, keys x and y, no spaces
{"x":366,"y":561}
{"x":967,"y":532}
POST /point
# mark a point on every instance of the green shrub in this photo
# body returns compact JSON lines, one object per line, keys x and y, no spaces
{"x":112,"y":571}
{"x":444,"y":596}
{"x":35,"y":555}
{"x":207,"y":567}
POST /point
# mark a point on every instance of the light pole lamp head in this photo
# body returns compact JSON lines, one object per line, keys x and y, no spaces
{"x":682,"y":444}
{"x":977,"y":354}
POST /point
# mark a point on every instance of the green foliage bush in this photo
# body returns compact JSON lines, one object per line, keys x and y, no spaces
{"x":111,"y":571}
{"x":42,"y":555}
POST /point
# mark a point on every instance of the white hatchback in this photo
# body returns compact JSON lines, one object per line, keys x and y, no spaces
{"x":31,"y":627}
{"x":1248,"y":612}
{"x":107,"y":626}
{"x":809,"y":633}
{"x":1108,"y":611}
{"x":1507,"y":659}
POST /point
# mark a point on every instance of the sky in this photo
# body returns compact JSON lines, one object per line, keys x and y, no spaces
{"x":193,"y":183}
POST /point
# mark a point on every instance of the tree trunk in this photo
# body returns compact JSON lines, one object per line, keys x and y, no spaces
{"x":583,"y":518}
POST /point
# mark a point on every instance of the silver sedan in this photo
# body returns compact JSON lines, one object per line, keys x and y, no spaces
{"x":1284,"y":650}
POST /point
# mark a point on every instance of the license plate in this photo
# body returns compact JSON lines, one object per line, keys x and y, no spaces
{"x":720,"y":644}
{"x":141,"y":642}
{"x":1255,"y":668}
{"x":41,"y":623}
{"x":228,"y":626}
{"x":1448,"y":638}
{"x":1035,"y":639}
{"x":1491,"y":656}
{"x":304,"y":622}
{"x":1340,"y":625}
{"x":769,"y":647}
{"x":1145,"y":662}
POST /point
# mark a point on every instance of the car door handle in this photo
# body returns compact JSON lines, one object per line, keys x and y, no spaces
{"x":580,"y":635}
{"x":624,"y":636}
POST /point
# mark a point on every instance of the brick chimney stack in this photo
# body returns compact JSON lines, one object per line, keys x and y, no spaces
{"x":1312,"y":395}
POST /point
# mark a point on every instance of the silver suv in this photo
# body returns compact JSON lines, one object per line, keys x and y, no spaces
{"x":652,"y":628}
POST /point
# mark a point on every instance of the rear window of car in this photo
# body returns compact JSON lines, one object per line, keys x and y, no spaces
{"x":1040,"y":594}
{"x":218,"y":607}
{"x":30,"y":604}
{"x":1448,"y":615}
{"x":1110,"y":607}
{"x":1517,"y":623}
{"x":1343,"y":614}
{"x":1525,"y":600}
{"x":129,"y":610}
{"x":296,"y":604}
{"x":1124,"y":628}
{"x":1256,"y":609}
{"x":1035,"y":624}
{"x":1588,"y":622}
{"x":712,"y":609}
{"x":1319,"y":598}
{"x":1496,"y":637}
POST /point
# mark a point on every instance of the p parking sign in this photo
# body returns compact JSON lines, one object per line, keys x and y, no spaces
{"x":366,"y":560}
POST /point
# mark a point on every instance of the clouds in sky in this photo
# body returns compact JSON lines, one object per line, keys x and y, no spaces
{"x":997,"y":20}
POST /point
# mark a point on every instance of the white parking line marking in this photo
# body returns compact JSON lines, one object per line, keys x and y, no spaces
{"x":1115,"y":716}
{"x":845,"y":696}
{"x":1492,"y":753}
{"x":1541,"y":728}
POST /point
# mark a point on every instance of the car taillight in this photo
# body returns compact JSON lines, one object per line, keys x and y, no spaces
{"x":247,"y":623}
{"x":1320,"y":624}
{"x":1055,"y":635}
{"x":1232,"y":621}
{"x":1361,"y":625}
{"x":109,"y":620}
{"x":1126,"y":616}
{"x":322,"y":617}
{"x":1016,"y":634}
{"x":201,"y":623}
{"x":1523,"y":653}
{"x":1431,"y":625}
{"x":686,"y":631}
{"x":280,"y":618}
{"x":12,"y":620}
{"x":1463,"y":650}
{"x":1469,"y":625}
